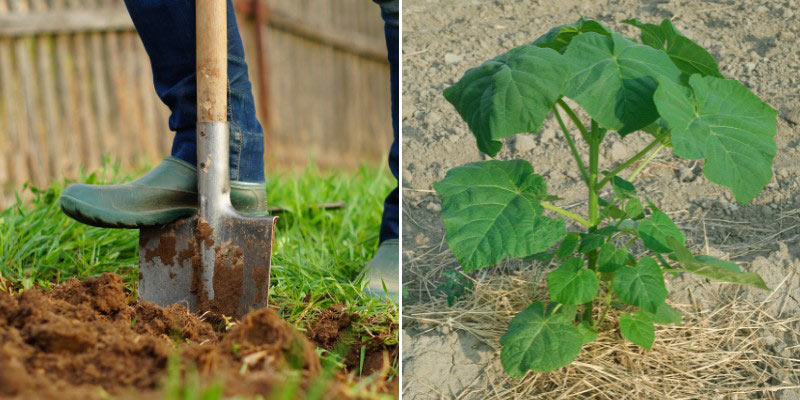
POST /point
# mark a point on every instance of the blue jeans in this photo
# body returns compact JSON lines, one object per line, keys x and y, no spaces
{"x":167,"y":30}
{"x":390,"y":226}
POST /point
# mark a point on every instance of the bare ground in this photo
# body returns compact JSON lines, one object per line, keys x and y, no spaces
{"x":757,"y":43}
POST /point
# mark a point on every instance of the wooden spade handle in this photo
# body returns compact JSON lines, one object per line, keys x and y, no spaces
{"x":212,"y":61}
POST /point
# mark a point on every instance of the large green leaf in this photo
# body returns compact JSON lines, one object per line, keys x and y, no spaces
{"x":712,"y":270}
{"x":568,"y":245}
{"x":666,"y":315}
{"x":641,"y":286}
{"x":638,"y":328}
{"x":539,"y":341}
{"x":655,"y":230}
{"x":614,"y":79}
{"x":688,"y":56}
{"x":508,"y":94}
{"x":491,"y":211}
{"x":560,"y":37}
{"x":588,"y":333}
{"x":610,"y":258}
{"x":722,"y":121}
{"x":571,"y":283}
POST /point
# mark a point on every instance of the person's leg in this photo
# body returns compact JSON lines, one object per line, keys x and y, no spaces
{"x":384,"y":268}
{"x":167,"y":30}
{"x":169,"y":192}
{"x":391,"y":208}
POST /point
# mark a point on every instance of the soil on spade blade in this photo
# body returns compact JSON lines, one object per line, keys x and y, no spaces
{"x":85,"y":339}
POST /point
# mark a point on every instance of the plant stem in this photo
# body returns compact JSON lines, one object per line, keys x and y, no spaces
{"x":574,"y":117}
{"x":594,"y":156}
{"x":658,"y":141}
{"x":574,"y":217}
{"x":603,"y":314}
{"x":644,"y":163}
{"x":572,"y":147}
{"x":588,"y":311}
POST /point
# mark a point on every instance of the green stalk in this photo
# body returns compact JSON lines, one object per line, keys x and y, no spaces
{"x":594,"y":138}
{"x":594,"y":161}
{"x":572,"y":147}
{"x":574,"y":217}
{"x":607,"y":301}
{"x":656,"y":142}
{"x":644,"y":163}
{"x":574,"y":117}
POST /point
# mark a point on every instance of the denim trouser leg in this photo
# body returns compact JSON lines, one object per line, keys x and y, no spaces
{"x":167,"y":30}
{"x":390,"y":226}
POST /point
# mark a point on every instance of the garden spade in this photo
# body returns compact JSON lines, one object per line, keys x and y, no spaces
{"x":218,"y":260}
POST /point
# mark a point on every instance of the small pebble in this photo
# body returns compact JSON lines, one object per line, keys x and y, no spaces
{"x":524,"y":143}
{"x":762,"y":9}
{"x":792,"y":116}
{"x":434,"y":207}
{"x":618,"y":151}
{"x":547,"y":135}
{"x":432,"y":118}
{"x":452,"y":59}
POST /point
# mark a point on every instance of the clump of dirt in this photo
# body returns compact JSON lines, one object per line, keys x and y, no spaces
{"x":326,"y":329}
{"x":333,"y":331}
{"x":86,"y":338}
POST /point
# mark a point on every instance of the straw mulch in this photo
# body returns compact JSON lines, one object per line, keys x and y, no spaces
{"x":733,"y":350}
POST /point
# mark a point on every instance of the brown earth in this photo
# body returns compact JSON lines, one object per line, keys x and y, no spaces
{"x":86,"y":339}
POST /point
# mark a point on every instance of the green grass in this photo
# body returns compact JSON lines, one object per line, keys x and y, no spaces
{"x":317,"y":259}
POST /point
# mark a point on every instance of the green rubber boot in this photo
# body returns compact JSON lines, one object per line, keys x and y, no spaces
{"x":161,"y":196}
{"x":384,"y":269}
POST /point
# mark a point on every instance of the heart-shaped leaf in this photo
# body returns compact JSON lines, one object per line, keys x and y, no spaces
{"x":491,"y":212}
{"x":568,"y":245}
{"x":722,"y":121}
{"x":713,"y":270}
{"x":571,"y":283}
{"x":666,"y":315}
{"x":588,"y":333}
{"x":688,"y":56}
{"x":614,"y":79}
{"x":591,"y":241}
{"x":641,"y":286}
{"x":638,"y":328}
{"x":560,"y":37}
{"x":655,"y":230}
{"x":539,"y":342}
{"x":508,"y":94}
{"x":733,"y":267}
{"x":610,"y":258}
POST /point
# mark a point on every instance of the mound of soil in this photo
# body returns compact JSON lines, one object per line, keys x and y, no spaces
{"x":85,"y":339}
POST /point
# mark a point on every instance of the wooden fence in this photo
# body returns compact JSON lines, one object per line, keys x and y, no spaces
{"x":76,"y":86}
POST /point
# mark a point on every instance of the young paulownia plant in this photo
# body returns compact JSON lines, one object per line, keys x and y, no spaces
{"x":667,"y":86}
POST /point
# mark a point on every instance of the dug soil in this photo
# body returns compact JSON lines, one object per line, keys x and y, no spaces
{"x":88,"y":339}
{"x":755,"y":42}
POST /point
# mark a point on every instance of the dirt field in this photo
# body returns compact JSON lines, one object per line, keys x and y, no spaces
{"x":757,"y":43}
{"x":89,"y":339}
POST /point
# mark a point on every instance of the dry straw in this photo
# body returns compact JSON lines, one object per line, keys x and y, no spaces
{"x":733,"y":351}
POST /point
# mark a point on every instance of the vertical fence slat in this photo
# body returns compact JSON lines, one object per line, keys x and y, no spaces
{"x":30,"y":138}
{"x":105,"y":136}
{"x":146,"y":95}
{"x":12,"y":126}
{"x":49,"y":95}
